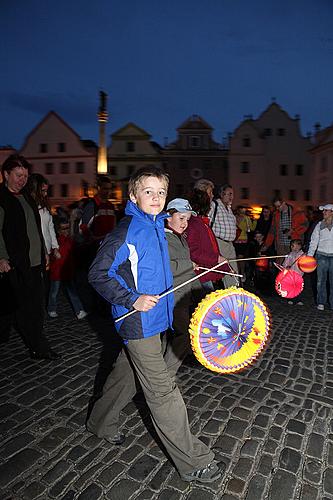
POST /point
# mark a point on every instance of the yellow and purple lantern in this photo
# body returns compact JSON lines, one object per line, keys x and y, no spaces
{"x":229,"y":329}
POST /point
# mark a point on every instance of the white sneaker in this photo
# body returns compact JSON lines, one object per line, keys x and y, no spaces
{"x":290,"y":302}
{"x":320,"y":307}
{"x":81,"y":314}
{"x":300,"y":303}
{"x":53,"y":314}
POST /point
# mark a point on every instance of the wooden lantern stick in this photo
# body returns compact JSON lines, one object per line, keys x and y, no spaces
{"x":199,"y":276}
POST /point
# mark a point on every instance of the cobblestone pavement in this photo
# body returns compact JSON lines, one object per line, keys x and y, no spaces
{"x":272,"y":423}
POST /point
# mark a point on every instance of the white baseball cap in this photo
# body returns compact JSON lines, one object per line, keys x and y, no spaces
{"x":328,"y":206}
{"x":180,"y":205}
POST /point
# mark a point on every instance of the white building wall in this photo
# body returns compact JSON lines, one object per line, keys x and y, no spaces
{"x":52,"y":132}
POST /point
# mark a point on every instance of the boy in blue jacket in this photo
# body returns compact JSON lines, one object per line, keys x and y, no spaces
{"x":131,"y":271}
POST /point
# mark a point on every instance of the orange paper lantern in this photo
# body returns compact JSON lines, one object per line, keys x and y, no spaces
{"x":262,"y":264}
{"x":307,"y":264}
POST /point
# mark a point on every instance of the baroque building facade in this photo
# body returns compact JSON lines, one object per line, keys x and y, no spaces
{"x":131,"y":148}
{"x":194,"y":155}
{"x":269,"y":157}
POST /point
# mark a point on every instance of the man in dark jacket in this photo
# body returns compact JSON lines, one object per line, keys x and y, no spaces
{"x":22,"y":259}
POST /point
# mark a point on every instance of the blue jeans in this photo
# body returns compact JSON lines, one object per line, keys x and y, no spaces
{"x":72,"y":294}
{"x":324,"y":271}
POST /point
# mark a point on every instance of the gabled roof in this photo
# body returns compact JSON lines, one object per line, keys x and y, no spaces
{"x":247,"y":121}
{"x":194,"y":122}
{"x":41,"y":123}
{"x":139,"y":131}
{"x":275,"y":106}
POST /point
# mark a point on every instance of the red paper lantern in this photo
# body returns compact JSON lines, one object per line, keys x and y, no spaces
{"x":262,"y":264}
{"x":307,"y":264}
{"x":289,"y":283}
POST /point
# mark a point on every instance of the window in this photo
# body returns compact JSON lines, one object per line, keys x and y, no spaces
{"x":322,"y":192}
{"x":323,"y":164}
{"x":64,"y":190}
{"x":79,"y":167}
{"x":49,"y":170}
{"x":130,"y":147}
{"x":43,"y":148}
{"x":307,"y":194}
{"x":61,"y":147}
{"x":50,"y":191}
{"x":130,"y":169}
{"x":64,"y":167}
{"x":183,"y":163}
{"x":281,"y":131}
{"x":244,"y":167}
{"x":299,"y":169}
{"x":195,"y":141}
{"x":267,"y":132}
{"x":276,"y":193}
{"x":283,"y":169}
{"x":245,"y":193}
{"x":246,"y":141}
{"x":292,"y":194}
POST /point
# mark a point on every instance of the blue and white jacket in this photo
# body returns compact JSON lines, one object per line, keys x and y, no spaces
{"x":134,"y":260}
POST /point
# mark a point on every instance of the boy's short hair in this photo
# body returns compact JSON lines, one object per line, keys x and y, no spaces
{"x":137,"y":177}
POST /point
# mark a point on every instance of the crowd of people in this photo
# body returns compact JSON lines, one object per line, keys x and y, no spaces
{"x":128,"y":261}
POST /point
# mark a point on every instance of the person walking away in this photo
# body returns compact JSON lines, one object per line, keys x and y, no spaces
{"x":62,"y":274}
{"x":131,"y":271}
{"x":321,"y":247}
{"x":22,"y":256}
{"x":204,"y":249}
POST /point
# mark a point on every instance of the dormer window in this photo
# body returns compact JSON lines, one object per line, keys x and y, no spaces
{"x":246,"y":141}
{"x":130,"y":147}
{"x":195,"y":141}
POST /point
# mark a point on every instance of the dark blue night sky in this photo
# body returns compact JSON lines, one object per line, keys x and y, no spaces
{"x":161,"y":62}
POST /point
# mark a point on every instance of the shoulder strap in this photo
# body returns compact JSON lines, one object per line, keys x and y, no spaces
{"x":214,"y":215}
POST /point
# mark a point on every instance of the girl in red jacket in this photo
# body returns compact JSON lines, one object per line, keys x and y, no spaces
{"x":62,"y":273}
{"x":204,"y":249}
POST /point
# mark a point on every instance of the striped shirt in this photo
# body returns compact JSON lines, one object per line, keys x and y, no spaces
{"x":224,"y":225}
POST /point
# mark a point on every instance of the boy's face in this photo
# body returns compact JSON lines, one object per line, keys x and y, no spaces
{"x":179,"y":221}
{"x":150,"y":196}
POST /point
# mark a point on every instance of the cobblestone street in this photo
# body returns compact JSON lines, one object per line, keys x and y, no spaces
{"x":272,"y":424}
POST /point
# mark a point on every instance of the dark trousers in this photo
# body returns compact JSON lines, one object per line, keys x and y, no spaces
{"x":27,"y":291}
